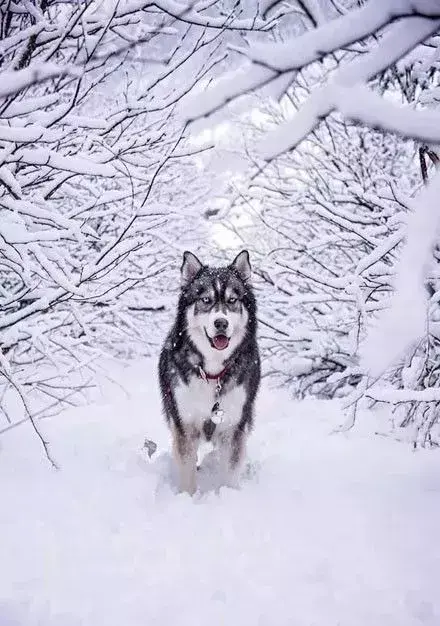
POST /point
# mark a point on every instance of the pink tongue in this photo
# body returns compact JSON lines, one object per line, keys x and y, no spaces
{"x":220,"y":342}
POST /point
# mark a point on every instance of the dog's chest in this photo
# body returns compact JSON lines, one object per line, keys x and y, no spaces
{"x":195,"y":402}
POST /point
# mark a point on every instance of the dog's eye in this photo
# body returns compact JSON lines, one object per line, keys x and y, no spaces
{"x":232,"y":300}
{"x":206,"y":300}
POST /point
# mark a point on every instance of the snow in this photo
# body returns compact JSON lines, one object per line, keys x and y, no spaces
{"x":236,"y":83}
{"x":352,"y":27}
{"x":345,"y":91}
{"x":22,"y":107}
{"x":379,"y":252}
{"x":186,"y":13}
{"x":80,"y":164}
{"x":362,"y":105}
{"x":15,"y":81}
{"x":9,"y":180}
{"x":28,"y":134}
{"x":54,"y":272}
{"x":326,"y":529}
{"x":396,"y":396}
{"x":316,"y":43}
{"x":393,"y":332}
{"x":81,"y":121}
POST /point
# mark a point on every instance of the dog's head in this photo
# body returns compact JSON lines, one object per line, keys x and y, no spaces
{"x":219,"y":303}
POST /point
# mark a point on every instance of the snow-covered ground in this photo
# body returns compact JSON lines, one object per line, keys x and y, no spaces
{"x":326,"y":530}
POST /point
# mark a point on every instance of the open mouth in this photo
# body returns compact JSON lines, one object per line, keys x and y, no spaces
{"x":219,"y":342}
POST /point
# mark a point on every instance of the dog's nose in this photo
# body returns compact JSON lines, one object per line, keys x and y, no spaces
{"x":221,"y":324}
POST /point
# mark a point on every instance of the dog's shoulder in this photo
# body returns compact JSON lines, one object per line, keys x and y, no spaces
{"x":177,"y":360}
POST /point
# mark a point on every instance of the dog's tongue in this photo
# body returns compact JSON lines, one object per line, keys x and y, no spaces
{"x":220,"y":342}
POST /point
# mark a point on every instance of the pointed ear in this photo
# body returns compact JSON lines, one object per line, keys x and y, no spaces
{"x":191,"y":266}
{"x":242,"y":265}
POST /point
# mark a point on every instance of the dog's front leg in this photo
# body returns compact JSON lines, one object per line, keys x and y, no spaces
{"x":185,"y":456}
{"x":232,"y":448}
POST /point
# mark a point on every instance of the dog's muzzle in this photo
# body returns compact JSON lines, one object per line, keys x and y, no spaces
{"x":220,"y":341}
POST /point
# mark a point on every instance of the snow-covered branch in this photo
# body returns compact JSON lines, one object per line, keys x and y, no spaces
{"x":96,"y":173}
{"x":405,"y":25}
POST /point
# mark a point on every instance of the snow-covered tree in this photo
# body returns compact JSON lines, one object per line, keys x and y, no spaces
{"x":362,"y":49}
{"x":324,"y":222}
{"x":98,"y":184}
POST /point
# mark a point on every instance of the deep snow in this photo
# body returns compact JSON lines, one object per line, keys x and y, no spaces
{"x":326,"y":530}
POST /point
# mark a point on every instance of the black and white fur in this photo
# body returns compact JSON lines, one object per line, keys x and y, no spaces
{"x":214,"y":333}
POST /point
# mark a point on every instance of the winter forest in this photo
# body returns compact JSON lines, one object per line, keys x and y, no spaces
{"x":306,"y":132}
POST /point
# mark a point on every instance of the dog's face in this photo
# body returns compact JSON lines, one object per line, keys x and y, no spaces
{"x":217,"y":303}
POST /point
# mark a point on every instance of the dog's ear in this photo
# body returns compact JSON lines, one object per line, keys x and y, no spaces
{"x":191,"y":266}
{"x":242,"y":265}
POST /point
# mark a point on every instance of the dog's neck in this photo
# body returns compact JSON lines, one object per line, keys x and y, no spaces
{"x":214,"y":364}
{"x":217,"y":377}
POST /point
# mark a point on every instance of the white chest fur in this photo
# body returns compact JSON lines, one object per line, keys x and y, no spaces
{"x":195,"y":402}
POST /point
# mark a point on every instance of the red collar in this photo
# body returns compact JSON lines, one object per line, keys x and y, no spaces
{"x":207,"y":376}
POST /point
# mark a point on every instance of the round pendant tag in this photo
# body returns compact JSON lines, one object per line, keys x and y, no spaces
{"x":217,"y":416}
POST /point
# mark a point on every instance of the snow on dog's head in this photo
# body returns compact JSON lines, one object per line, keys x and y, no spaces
{"x":218,"y":304}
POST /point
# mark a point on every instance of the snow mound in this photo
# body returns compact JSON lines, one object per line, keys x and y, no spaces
{"x":326,"y":529}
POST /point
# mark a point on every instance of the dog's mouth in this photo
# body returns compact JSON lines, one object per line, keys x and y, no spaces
{"x":219,"y":342}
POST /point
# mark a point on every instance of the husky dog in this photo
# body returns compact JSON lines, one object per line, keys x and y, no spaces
{"x":209,"y":367}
